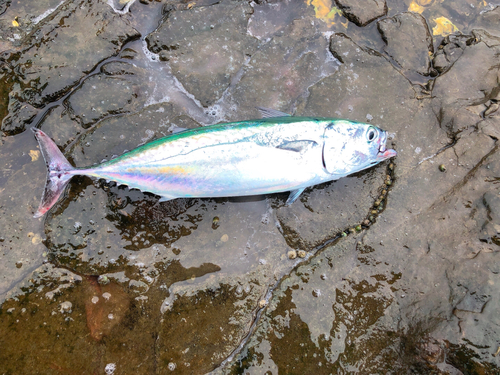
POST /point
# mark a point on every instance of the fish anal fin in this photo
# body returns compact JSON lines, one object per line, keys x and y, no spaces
{"x":270,"y":113}
{"x":297,"y":146}
{"x":294,"y":194}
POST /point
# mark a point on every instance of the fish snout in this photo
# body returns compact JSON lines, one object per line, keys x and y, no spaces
{"x":386,"y":153}
{"x":383,"y":152}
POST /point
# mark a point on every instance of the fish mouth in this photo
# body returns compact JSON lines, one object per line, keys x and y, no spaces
{"x":383,"y":152}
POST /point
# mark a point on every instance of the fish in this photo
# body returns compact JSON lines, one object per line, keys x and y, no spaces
{"x":273,"y":154}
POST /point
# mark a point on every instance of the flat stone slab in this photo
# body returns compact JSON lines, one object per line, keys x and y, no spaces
{"x":362,"y":12}
{"x":408,"y":41}
{"x":205,"y":47}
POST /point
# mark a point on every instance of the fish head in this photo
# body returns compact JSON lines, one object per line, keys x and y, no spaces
{"x":351,"y":147}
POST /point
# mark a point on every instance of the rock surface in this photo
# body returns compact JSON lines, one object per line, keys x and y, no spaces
{"x":392,"y":270}
{"x":362,"y":12}
{"x":206,"y":47}
{"x":409,"y":41}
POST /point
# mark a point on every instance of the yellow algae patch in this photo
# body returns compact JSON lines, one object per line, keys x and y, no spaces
{"x":324,"y":10}
{"x":35,"y":154}
{"x":414,"y":7}
{"x":418,"y":6}
{"x":443,"y":27}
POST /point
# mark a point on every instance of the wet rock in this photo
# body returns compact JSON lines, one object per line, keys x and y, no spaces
{"x":301,"y":334}
{"x":450,"y":49}
{"x":58,"y":123}
{"x":454,"y":97}
{"x":20,"y":236}
{"x":362,"y":12}
{"x":415,"y":292}
{"x":20,"y":115}
{"x":488,"y":19}
{"x":4,"y":4}
{"x":119,"y":90}
{"x":119,"y":318}
{"x":6,"y":86}
{"x":213,"y":310}
{"x":473,"y":302}
{"x":271,"y":17}
{"x":491,"y":219}
{"x":408,"y":41}
{"x":76,"y":41}
{"x":278,"y":75}
{"x":310,"y":221}
{"x":205,"y":47}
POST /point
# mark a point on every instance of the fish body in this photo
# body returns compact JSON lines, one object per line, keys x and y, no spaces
{"x":269,"y":155}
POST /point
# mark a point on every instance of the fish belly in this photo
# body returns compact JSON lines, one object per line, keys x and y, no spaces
{"x":237,"y":169}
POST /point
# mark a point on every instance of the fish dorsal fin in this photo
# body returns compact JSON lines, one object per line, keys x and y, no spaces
{"x":270,"y":113}
{"x":301,"y":145}
{"x":178,"y":129}
{"x":165,"y":198}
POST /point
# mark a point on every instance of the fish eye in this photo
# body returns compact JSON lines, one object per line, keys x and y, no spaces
{"x":371,"y":134}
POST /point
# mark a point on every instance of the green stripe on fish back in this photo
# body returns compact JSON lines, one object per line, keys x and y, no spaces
{"x":238,"y":125}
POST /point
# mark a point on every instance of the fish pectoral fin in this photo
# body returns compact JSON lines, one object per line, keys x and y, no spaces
{"x":270,"y":113}
{"x":297,"y":146}
{"x":294,"y":194}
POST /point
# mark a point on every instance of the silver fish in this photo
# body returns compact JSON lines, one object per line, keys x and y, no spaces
{"x":274,"y":154}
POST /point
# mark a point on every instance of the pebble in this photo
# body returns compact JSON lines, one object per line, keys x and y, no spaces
{"x":103,"y":280}
{"x":215,"y":222}
{"x":65,"y":307}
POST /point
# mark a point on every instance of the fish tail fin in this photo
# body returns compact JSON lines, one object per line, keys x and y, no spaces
{"x":58,"y":172}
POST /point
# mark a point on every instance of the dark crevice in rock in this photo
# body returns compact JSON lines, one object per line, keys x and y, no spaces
{"x":362,"y":12}
{"x":447,"y":124}
{"x":450,"y":50}
{"x":4,"y":4}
